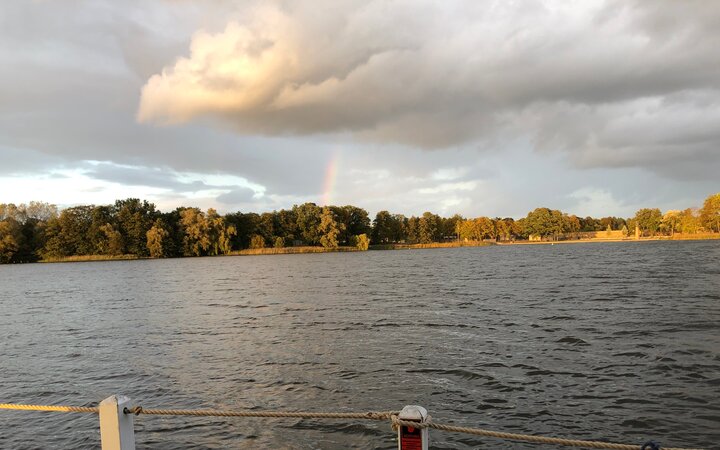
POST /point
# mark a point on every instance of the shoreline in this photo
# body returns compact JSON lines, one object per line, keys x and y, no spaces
{"x":703,"y":237}
{"x":378,"y":247}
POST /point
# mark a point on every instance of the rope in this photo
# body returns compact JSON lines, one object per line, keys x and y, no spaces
{"x":370,"y":415}
{"x":521,"y":437}
{"x":76,"y":409}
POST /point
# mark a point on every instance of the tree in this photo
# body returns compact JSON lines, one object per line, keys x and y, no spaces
{"x":246,"y":226}
{"x":285,"y":225}
{"x":571,"y":224}
{"x":329,"y":228}
{"x":10,"y":240}
{"x":670,"y":221}
{"x":710,"y":213}
{"x":134,"y":219}
{"x":112,"y":242}
{"x":449,"y":226}
{"x":196,"y":239}
{"x":157,"y":237}
{"x":279,"y":242}
{"x":226,"y":239}
{"x":476,"y":229}
{"x":257,"y":241}
{"x":382,"y":231}
{"x":67,"y":234}
{"x":354,"y":220}
{"x":362,"y":242}
{"x":689,"y":221}
{"x":429,"y":229}
{"x":221,"y":234}
{"x":648,"y":219}
{"x":308,"y":222}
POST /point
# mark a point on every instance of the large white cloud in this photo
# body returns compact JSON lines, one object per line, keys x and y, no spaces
{"x":614,"y":83}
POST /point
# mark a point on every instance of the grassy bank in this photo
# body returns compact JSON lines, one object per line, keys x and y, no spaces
{"x":431,"y":245}
{"x":290,"y":250}
{"x":84,"y":258}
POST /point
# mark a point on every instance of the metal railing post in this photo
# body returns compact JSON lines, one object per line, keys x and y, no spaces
{"x":413,"y":438}
{"x":116,"y":427}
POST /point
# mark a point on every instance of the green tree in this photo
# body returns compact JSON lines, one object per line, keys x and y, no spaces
{"x":67,"y":234}
{"x":449,"y":226}
{"x":648,"y":219}
{"x":246,"y":226}
{"x":429,"y":229}
{"x":710,"y":213}
{"x":134,"y":218}
{"x":285,"y":225}
{"x":382,"y":231}
{"x":308,"y":222}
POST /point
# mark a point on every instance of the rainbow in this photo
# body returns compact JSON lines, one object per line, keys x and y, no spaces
{"x":330,"y":177}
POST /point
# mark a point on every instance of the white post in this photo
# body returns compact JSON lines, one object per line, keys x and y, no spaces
{"x":410,"y":438}
{"x":116,"y":427}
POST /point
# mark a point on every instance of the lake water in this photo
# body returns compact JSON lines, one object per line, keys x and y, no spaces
{"x":613,"y":341}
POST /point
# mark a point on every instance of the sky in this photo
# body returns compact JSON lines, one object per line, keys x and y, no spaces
{"x":481,"y":108}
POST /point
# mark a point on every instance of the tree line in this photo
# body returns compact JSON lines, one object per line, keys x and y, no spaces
{"x":135,"y":227}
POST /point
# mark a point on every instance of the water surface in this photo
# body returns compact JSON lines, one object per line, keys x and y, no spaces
{"x":611,"y":341}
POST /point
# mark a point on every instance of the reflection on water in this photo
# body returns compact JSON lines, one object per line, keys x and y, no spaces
{"x":601,"y":341}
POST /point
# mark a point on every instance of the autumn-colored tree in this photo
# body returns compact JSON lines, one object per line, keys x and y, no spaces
{"x":689,"y":221}
{"x":279,"y":242}
{"x":10,"y":239}
{"x":257,"y":241}
{"x":157,"y":237}
{"x":571,"y":224}
{"x":112,"y":241}
{"x":220,"y":233}
{"x":710,"y":213}
{"x":362,"y":242}
{"x":196,"y":239}
{"x":476,"y":229}
{"x":671,"y":221}
{"x":329,"y":228}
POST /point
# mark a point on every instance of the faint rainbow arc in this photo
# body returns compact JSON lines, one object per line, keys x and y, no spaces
{"x":330,"y":179}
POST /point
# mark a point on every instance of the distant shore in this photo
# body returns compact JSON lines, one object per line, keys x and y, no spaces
{"x":698,"y":237}
{"x":309,"y":249}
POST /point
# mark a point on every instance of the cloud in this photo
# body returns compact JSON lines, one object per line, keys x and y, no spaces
{"x":528,"y":102}
{"x":612,"y":84}
{"x":237,"y":196}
